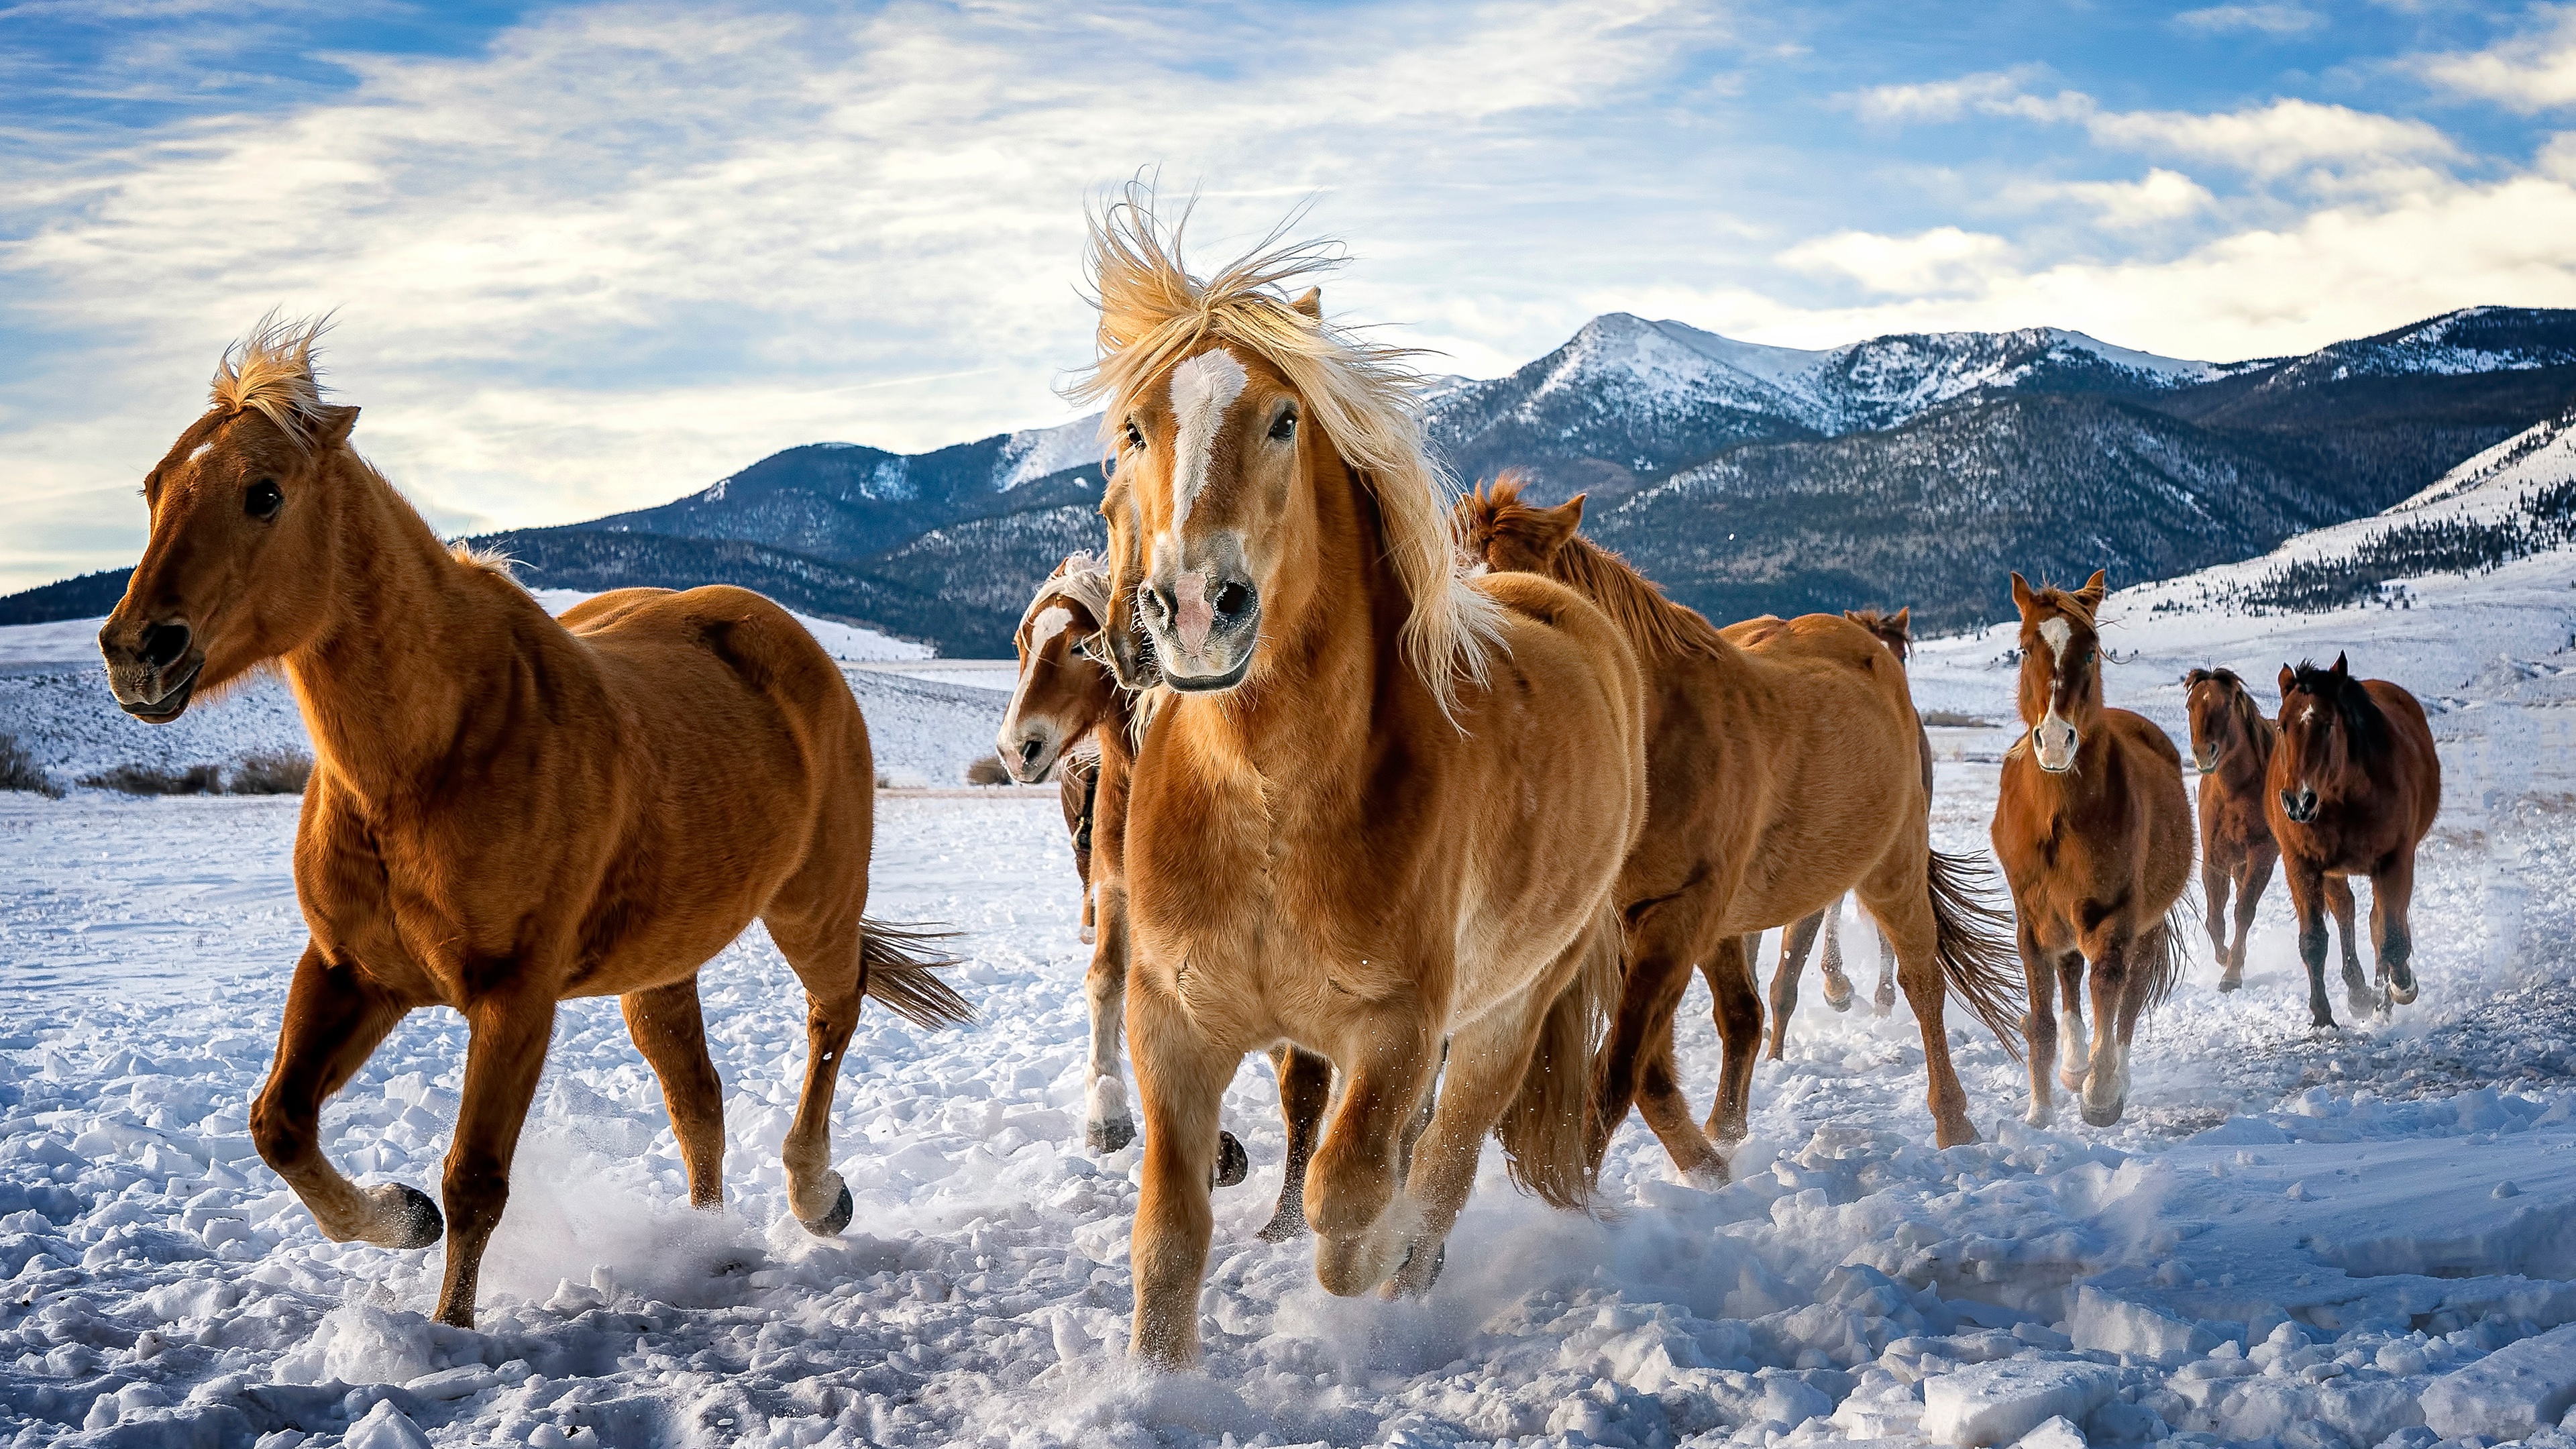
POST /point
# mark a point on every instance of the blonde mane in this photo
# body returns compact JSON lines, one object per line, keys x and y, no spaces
{"x":1154,"y":315}
{"x":1081,"y":580}
{"x":272,"y":372}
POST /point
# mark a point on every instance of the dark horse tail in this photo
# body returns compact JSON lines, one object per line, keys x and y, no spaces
{"x":2164,"y":970}
{"x":1973,"y":942}
{"x":900,"y":969}
{"x":1546,"y":1131}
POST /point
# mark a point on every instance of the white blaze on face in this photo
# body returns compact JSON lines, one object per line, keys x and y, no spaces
{"x":1051,"y":622}
{"x":1202,"y":389}
{"x":2057,"y":632}
{"x":2054,"y":736}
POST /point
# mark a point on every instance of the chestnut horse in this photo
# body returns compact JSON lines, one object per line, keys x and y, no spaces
{"x":2353,"y":789}
{"x":2094,"y":833}
{"x":2231,"y":746}
{"x":1064,"y":696}
{"x":1784,"y":768}
{"x":506,"y":810}
{"x":1377,"y":805}
{"x":1896,"y":631}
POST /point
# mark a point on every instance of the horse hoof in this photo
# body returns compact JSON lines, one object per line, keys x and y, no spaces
{"x":416,"y":1223}
{"x":1285,"y":1225}
{"x":1405,"y":1285}
{"x":1839,"y":1003}
{"x":2100,"y":1117}
{"x":1111,"y":1135}
{"x":1233,"y":1164}
{"x":2230,"y":982}
{"x":829,"y":1225}
{"x":2402,"y":995}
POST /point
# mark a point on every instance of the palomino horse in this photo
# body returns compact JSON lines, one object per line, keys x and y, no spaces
{"x":505,"y":810}
{"x":2353,"y":789}
{"x":2095,"y":838}
{"x":1784,"y":769}
{"x":1378,"y":806}
{"x":1896,"y":631}
{"x":1065,"y":696}
{"x":2231,"y":746}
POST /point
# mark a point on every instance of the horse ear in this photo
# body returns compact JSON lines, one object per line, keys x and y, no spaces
{"x":1311,"y":302}
{"x":2289,"y":677}
{"x":1904,"y":620}
{"x":333,"y":426}
{"x":2342,"y":671}
{"x":2021,"y":592}
{"x":2095,"y":587}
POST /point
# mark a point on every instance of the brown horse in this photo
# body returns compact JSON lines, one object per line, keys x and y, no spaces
{"x":506,"y":810}
{"x":1896,"y":631}
{"x":1377,"y":806}
{"x":2094,"y":833}
{"x":2231,"y":746}
{"x":1784,"y":770}
{"x":1064,"y":695}
{"x":2353,"y":789}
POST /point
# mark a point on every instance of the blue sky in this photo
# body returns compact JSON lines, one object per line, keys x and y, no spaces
{"x":590,"y":256}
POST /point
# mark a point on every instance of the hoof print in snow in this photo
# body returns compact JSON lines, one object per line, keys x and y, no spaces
{"x":1109,"y":1136}
{"x":829,"y":1225}
{"x":1233,"y":1164}
{"x":416,"y":1223}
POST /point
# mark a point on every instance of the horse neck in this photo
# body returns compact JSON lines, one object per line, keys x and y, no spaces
{"x":386,"y":686}
{"x":1655,"y":625}
{"x":2244,"y":767}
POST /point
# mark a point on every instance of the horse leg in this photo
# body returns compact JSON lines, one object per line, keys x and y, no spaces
{"x":1486,"y":1065}
{"x":2307,"y":901}
{"x":1739,"y":1032}
{"x":1883,"y":1000}
{"x":1657,"y":971}
{"x":2106,"y":1081}
{"x":1107,"y":1126}
{"x":335,"y":1018}
{"x":2256,"y":875}
{"x":2070,"y":1020}
{"x":2357,"y":986}
{"x":671,"y":1032}
{"x":505,"y":1053}
{"x":1305,"y":1091}
{"x":1795,"y":943}
{"x":2039,"y":1025}
{"x":825,"y":955}
{"x":1898,"y":896}
{"x":1838,"y":983}
{"x":1354,"y":1182}
{"x":2214,"y":881}
{"x":2392,"y":890}
{"x":1180,"y":1083}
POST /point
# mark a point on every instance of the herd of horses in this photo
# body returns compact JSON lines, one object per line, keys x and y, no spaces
{"x":1439,"y":804}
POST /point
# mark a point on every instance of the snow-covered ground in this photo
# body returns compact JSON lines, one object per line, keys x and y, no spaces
{"x":2291,"y":1240}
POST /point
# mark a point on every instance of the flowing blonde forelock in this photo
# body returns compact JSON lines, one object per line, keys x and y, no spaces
{"x":272,"y":372}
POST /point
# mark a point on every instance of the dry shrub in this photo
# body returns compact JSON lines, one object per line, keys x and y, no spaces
{"x":1951,"y":719}
{"x":134,"y":779}
{"x":271,"y":772}
{"x":986,"y":770}
{"x":19,"y":770}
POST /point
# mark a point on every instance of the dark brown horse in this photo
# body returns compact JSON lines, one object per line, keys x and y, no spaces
{"x":2353,"y":789}
{"x":2094,"y":833}
{"x":507,"y":810}
{"x":1783,"y":769}
{"x":2231,"y":746}
{"x":1065,"y":696}
{"x":1896,"y":631}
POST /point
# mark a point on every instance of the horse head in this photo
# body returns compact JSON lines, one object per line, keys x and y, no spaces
{"x":1896,"y":630}
{"x":243,"y":534}
{"x":2061,"y":671}
{"x":2223,"y":717}
{"x":2328,"y":724}
{"x":1062,"y":689}
{"x":1510,"y":536}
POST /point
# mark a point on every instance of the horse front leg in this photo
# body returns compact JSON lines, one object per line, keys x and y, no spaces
{"x":1305,"y":1092}
{"x":1352,"y":1188}
{"x":1795,"y":943}
{"x":335,"y":1018}
{"x":2307,"y":901}
{"x":2392,"y":891}
{"x":1488,"y":1066}
{"x":505,"y":1053}
{"x":2106,"y":1079}
{"x":2214,"y":882}
{"x":2358,"y":988}
{"x":671,"y":1031}
{"x":1180,"y":1083}
{"x":2039,"y":1025}
{"x":2255,"y":875}
{"x":1106,"y":1124}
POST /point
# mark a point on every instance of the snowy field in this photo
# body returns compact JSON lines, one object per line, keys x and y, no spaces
{"x":2359,"y":1239}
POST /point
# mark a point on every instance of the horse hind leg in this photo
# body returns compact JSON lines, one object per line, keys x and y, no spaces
{"x":1883,"y":1000}
{"x":827,"y":956}
{"x":335,"y":1019}
{"x":1795,"y":943}
{"x":1305,"y":1092}
{"x":671,"y":1031}
{"x":1838,"y":983}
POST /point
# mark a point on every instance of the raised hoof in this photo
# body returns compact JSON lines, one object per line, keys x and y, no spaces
{"x":829,"y":1225}
{"x":1233,"y":1164}
{"x":1406,"y":1283}
{"x":2098,"y":1117}
{"x":413,"y":1219}
{"x":1839,"y":1000}
{"x":2403,"y":995}
{"x":1286,"y":1224}
{"x":1111,"y":1135}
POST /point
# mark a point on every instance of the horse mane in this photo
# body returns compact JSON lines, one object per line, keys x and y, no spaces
{"x":1154,"y":314}
{"x":1899,"y":638}
{"x":1653,"y":623}
{"x":271,"y":371}
{"x":1082,"y":580}
{"x":2360,"y":713}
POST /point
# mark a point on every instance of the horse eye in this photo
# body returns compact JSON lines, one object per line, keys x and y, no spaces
{"x":1135,"y":438}
{"x":263,"y":500}
{"x":1286,"y":427}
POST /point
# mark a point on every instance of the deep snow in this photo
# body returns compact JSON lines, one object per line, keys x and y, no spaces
{"x":2299,"y":1239}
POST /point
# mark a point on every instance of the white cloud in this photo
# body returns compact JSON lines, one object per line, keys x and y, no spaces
{"x":2284,"y":136}
{"x":2159,"y":196}
{"x":1943,"y":259}
{"x":2529,"y":73}
{"x":2263,"y":19}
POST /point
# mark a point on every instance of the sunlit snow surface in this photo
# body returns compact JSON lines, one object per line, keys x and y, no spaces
{"x":2372,"y":1213}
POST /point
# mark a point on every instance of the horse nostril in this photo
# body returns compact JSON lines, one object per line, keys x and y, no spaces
{"x":1159,"y":603}
{"x":162,"y":644}
{"x":1232,"y":599}
{"x":1029,"y":750}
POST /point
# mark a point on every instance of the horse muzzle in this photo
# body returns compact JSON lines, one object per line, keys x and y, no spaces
{"x":1029,"y":752}
{"x":2054,"y":747}
{"x":2299,"y":805}
{"x":2204,"y":760}
{"x":153,"y":677}
{"x":1203,"y":640}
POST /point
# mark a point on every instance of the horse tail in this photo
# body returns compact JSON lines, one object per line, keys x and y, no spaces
{"x":899,"y":967}
{"x":2164,"y":969}
{"x":1973,"y":943}
{"x":1545,"y":1132}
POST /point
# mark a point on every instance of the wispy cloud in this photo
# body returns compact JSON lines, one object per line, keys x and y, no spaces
{"x":2535,"y":71}
{"x":2258,"y":19}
